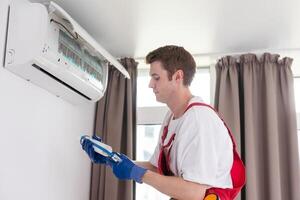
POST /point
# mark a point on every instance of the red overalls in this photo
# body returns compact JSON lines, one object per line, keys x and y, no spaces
{"x":237,"y":172}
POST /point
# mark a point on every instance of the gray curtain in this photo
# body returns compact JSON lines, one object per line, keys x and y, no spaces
{"x":255,"y":96}
{"x":115,"y":123}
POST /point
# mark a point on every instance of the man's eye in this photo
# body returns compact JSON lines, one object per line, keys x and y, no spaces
{"x":156,"y":78}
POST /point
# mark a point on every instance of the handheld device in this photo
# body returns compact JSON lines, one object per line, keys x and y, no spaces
{"x":102,"y":148}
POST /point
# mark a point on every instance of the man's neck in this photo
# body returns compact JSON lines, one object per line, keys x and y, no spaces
{"x":179,"y":103}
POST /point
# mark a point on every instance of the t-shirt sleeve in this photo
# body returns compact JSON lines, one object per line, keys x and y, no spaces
{"x":198,"y":148}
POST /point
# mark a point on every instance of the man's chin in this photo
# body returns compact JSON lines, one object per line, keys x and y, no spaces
{"x":159,"y":99}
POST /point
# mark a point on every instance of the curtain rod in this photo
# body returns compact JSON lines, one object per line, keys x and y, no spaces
{"x":217,"y":54}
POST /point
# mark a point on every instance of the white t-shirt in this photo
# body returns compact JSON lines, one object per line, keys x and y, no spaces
{"x":202,"y":149}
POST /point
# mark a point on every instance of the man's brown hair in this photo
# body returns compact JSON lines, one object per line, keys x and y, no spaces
{"x":174,"y":58}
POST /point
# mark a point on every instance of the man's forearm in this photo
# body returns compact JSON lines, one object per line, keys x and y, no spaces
{"x":175,"y":187}
{"x":146,"y":165}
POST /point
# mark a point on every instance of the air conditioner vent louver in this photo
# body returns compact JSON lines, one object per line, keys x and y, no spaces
{"x":60,"y":81}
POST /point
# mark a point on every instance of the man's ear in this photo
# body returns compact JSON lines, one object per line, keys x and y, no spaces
{"x":178,"y":75}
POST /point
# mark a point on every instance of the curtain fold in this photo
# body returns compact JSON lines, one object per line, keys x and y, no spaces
{"x":115,"y":123}
{"x":256,"y":98}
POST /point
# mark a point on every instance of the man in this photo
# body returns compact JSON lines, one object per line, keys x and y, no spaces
{"x":195,"y":153}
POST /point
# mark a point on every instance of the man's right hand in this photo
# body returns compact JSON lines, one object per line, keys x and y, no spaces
{"x":87,"y":146}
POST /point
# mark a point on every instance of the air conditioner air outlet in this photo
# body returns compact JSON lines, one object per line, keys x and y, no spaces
{"x":60,"y":81}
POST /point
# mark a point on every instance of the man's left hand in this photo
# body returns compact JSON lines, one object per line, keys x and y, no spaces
{"x":126,"y":169}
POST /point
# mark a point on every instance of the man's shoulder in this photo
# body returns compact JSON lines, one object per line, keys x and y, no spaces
{"x":200,"y":109}
{"x":202,"y":115}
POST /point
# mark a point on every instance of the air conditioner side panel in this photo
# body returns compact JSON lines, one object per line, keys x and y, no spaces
{"x":27,"y":29}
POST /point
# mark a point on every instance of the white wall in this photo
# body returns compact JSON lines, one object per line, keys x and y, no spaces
{"x":40,"y":156}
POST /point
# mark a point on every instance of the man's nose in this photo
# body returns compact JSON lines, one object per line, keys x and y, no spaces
{"x":150,"y":85}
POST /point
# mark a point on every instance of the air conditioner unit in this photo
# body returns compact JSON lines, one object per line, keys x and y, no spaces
{"x":44,"y":45}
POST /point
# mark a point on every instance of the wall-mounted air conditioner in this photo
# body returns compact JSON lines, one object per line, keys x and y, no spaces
{"x":46,"y":46}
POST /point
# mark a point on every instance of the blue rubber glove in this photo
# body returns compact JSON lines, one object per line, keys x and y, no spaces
{"x":126,"y":169}
{"x":87,"y":146}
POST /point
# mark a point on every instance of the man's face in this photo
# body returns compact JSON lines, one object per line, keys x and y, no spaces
{"x":162,"y":87}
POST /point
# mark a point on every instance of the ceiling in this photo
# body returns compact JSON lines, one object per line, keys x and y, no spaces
{"x":132,"y":28}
